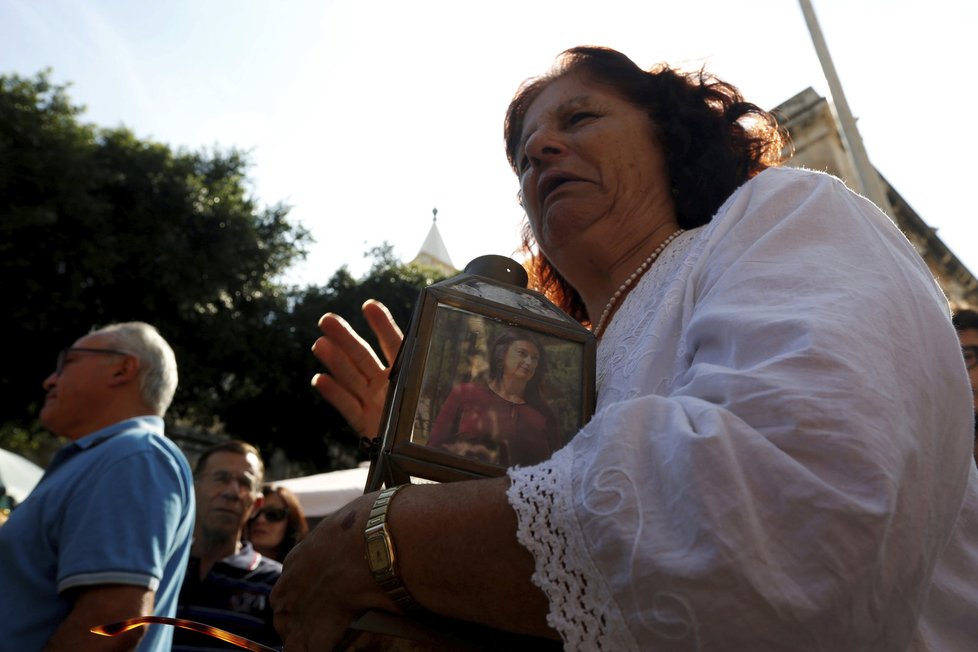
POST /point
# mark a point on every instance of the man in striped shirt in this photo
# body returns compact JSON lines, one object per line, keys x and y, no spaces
{"x":227,"y":582}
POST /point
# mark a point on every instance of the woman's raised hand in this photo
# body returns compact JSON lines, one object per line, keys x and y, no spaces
{"x":356,"y":382}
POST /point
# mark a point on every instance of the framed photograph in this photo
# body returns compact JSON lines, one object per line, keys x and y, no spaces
{"x":489,"y":376}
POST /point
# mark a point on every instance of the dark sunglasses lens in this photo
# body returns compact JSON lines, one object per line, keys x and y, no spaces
{"x":274,"y":515}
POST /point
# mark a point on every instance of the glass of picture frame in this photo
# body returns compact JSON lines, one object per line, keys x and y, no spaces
{"x":490,"y":375}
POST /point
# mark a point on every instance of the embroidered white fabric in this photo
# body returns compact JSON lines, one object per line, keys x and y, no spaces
{"x":582,"y":607}
{"x":780,"y":450}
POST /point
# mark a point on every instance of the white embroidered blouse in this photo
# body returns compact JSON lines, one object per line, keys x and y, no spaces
{"x":781,"y":447}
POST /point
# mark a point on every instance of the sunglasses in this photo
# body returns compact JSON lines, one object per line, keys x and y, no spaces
{"x":272,"y":514}
{"x":114,"y":629}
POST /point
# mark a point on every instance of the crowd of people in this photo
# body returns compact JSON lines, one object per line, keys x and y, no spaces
{"x":119,"y":528}
{"x":782,"y":455}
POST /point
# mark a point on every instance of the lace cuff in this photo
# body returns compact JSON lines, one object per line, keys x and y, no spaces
{"x":582,"y":610}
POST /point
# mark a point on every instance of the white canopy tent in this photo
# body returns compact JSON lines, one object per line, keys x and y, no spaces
{"x":323,"y":493}
{"x":18,"y":475}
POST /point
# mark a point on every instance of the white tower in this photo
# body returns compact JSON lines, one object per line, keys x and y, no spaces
{"x":433,"y":252}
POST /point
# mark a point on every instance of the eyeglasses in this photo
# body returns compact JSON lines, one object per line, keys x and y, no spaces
{"x":272,"y":514}
{"x":114,"y":629}
{"x":63,"y":355}
{"x":970,"y":353}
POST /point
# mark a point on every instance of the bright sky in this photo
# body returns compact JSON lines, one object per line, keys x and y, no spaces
{"x":363,"y":116}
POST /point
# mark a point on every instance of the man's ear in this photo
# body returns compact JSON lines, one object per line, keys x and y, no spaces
{"x":126,"y":371}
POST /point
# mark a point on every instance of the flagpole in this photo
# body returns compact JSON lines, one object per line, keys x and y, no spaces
{"x":870,"y":184}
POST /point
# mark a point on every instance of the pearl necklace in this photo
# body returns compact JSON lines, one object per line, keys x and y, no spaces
{"x":620,"y":292}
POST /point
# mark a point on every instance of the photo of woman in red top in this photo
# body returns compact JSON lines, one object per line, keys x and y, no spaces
{"x":504,"y":418}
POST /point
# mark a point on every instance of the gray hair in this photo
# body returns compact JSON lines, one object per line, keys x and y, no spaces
{"x":157,"y":364}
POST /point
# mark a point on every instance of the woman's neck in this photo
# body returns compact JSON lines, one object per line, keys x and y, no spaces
{"x":510,"y":389}
{"x":605,"y":277}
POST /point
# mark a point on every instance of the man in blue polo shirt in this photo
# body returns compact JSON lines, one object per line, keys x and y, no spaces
{"x":105,"y":535}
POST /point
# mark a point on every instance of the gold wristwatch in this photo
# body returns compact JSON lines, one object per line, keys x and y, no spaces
{"x":381,"y":556}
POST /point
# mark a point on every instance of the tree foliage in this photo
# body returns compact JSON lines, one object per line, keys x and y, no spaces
{"x":330,"y":441}
{"x":99,"y":226}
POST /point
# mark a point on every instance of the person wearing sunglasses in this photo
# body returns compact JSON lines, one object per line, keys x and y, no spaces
{"x":965,"y":322}
{"x":106,"y":533}
{"x":278,"y":525}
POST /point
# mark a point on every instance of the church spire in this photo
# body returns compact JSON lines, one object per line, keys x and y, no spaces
{"x":433,"y":252}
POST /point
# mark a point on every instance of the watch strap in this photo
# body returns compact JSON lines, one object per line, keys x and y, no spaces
{"x":388,"y":577}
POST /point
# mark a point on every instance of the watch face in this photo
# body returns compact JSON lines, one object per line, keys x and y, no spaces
{"x":378,"y":556}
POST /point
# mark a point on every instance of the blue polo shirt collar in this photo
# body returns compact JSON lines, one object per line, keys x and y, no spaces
{"x":150,"y":423}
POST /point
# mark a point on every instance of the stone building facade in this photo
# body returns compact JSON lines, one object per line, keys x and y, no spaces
{"x":818,"y":145}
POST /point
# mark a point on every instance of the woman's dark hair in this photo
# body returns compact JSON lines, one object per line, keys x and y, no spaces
{"x":712,"y":139}
{"x":534,"y":391}
{"x":296,"y":528}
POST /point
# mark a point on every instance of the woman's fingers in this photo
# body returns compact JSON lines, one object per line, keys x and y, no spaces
{"x":356,"y":391}
{"x":341,"y":334}
{"x":384,"y":327}
{"x":356,"y":382}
